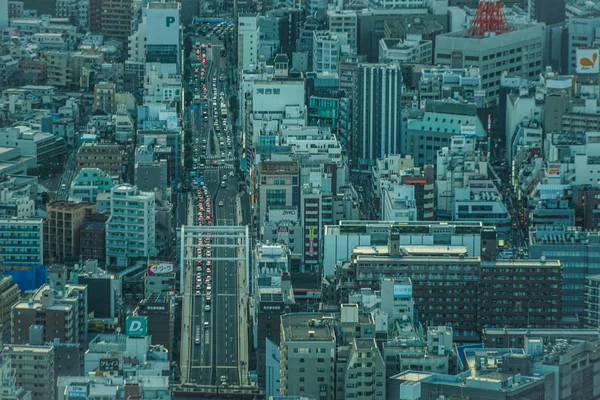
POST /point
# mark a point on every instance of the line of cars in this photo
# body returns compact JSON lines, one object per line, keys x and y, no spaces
{"x":219,"y":104}
{"x":204,"y":250}
{"x":219,"y":30}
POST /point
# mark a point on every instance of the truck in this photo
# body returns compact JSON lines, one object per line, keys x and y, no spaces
{"x":197,"y":337}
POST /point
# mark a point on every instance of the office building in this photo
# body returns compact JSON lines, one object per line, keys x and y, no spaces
{"x":344,"y":22}
{"x":248,"y":37}
{"x":307,"y":352}
{"x":62,"y":229}
{"x":579,"y":254}
{"x":326,"y":51}
{"x":582,"y":33}
{"x":279,"y":186}
{"x":130,"y":229}
{"x":518,"y":51}
{"x":412,"y":50}
{"x":105,"y":156}
{"x":19,"y":252}
{"x":34,"y":369}
{"x":47,"y":148}
{"x":158,"y":310}
{"x":377,"y":114}
{"x":591,"y":317}
{"x":164,"y":33}
{"x":105,"y":293}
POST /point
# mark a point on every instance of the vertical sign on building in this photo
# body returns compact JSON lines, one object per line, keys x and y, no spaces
{"x":311,"y":238}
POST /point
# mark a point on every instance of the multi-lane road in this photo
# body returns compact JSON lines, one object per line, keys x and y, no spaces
{"x":215,"y":359}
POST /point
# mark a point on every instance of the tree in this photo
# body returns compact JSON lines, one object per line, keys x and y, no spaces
{"x":45,"y":197}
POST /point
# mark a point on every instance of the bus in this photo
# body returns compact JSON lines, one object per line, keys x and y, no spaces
{"x":197,"y":338}
{"x":223,"y":110}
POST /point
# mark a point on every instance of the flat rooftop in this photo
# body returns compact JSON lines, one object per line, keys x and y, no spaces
{"x":302,"y":327}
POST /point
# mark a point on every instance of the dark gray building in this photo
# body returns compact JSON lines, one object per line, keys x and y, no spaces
{"x":377,"y":113}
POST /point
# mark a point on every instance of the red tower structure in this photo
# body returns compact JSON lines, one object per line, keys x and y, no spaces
{"x":488,"y":18}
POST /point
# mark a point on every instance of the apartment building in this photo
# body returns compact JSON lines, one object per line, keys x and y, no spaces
{"x":105,"y":156}
{"x":9,"y":296}
{"x":92,"y":244}
{"x":62,"y":229}
{"x":326,"y":51}
{"x":364,"y":373}
{"x":591,"y":317}
{"x":24,"y":241}
{"x":116,"y":19}
{"x":130,"y":229}
{"x":307,"y":354}
{"x":452,"y":288}
{"x":344,"y":22}
{"x":34,"y":369}
{"x":59,"y":314}
{"x":104,"y":97}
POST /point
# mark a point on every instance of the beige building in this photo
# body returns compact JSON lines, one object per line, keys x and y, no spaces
{"x":70,"y":69}
{"x":364,"y":375}
{"x":104,"y":97}
{"x":105,"y":156}
{"x":307,"y":353}
{"x":34,"y":369}
{"x":62,"y":226}
{"x":9,"y":296}
{"x":279,"y":185}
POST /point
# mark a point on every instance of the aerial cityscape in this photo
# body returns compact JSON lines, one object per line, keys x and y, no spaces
{"x":303,"y":200}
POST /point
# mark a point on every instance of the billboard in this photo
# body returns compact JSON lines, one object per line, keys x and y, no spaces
{"x":587,"y":61}
{"x":109,"y":364}
{"x":402,"y":291}
{"x":311,"y":237}
{"x":554,"y":169}
{"x":77,"y":392}
{"x":160,"y":268}
{"x":136,"y":327}
{"x":163,"y":26}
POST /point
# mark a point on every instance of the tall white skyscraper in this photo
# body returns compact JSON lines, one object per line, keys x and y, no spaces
{"x":248,"y":35}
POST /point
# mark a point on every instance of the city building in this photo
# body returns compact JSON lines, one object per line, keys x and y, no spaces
{"x":9,"y":296}
{"x":518,"y":51}
{"x":34,"y":369}
{"x":163,"y":37}
{"x":341,"y":21}
{"x":158,"y":310}
{"x":16,"y":251}
{"x":326,"y":51}
{"x":130,"y":229}
{"x":45,"y":147}
{"x":62,"y":229}
{"x":279,"y":186}
{"x":92,"y":243}
{"x":56,"y":311}
{"x":105,"y":292}
{"x":248,"y":40}
{"x":579,"y":254}
{"x":377,"y":114}
{"x":8,"y":385}
{"x":104,"y":97}
{"x":88,"y":183}
{"x":115,"y":19}
{"x":412,"y":50}
{"x":105,"y":156}
{"x":307,"y":356}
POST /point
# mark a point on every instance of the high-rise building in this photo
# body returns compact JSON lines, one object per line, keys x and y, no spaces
{"x":64,"y":220}
{"x":307,"y":357}
{"x":34,"y":369}
{"x":377,"y":116}
{"x":326,"y":51}
{"x":15,"y":250}
{"x":130,"y":229}
{"x":248,"y":36}
{"x":115,"y":19}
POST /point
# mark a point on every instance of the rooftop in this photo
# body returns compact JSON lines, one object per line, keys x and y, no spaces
{"x":307,"y":327}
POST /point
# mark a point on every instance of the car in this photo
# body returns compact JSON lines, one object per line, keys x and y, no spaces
{"x":231,"y":174}
{"x":221,"y":204}
{"x":207,"y":308}
{"x":206,"y":325}
{"x":223,"y":185}
{"x":198,"y":293}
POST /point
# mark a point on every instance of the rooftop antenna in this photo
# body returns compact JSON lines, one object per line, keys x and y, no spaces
{"x":489,"y":18}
